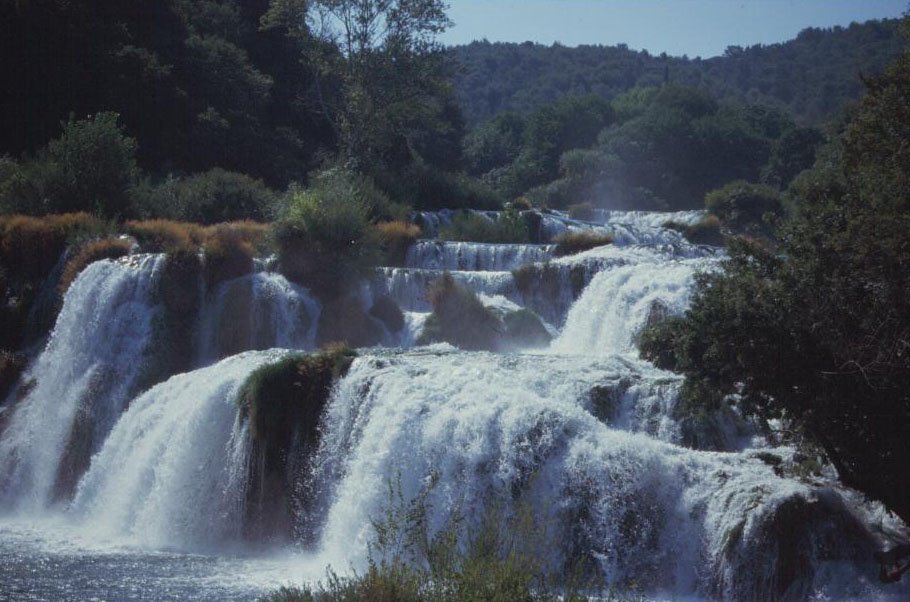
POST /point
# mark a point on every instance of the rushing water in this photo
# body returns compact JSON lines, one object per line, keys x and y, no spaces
{"x":583,"y":434}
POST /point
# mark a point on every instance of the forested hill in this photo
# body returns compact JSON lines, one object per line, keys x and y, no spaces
{"x":812,"y":75}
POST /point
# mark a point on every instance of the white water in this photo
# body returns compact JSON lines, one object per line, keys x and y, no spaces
{"x":583,"y":434}
{"x":89,"y":365}
{"x":466,"y":256}
{"x":172,"y":473}
{"x":258,"y":311}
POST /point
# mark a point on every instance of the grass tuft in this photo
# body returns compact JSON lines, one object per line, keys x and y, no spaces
{"x":577,"y":241}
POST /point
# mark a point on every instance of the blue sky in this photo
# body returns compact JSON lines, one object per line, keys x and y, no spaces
{"x":693,"y":27}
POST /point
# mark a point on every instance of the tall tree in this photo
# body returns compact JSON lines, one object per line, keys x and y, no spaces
{"x":382,"y":75}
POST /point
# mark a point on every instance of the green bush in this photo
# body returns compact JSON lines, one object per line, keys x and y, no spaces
{"x":744,"y":206}
{"x":430,"y":188}
{"x":706,"y":231}
{"x":207,"y":198}
{"x":325,"y":238}
{"x":90,"y":167}
{"x":471,"y":227}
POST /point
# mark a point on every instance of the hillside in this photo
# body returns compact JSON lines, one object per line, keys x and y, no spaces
{"x":812,"y":75}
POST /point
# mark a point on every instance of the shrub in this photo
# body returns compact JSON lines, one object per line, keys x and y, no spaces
{"x":179,"y":284}
{"x":582,"y":211}
{"x":395,"y":238}
{"x":704,"y":232}
{"x":90,"y":167}
{"x":521,"y":203}
{"x":471,"y":227}
{"x":105,"y":248}
{"x":324,"y":237}
{"x":460,"y":318}
{"x":744,"y":206}
{"x":31,"y":246}
{"x":210,"y":197}
{"x":165,"y":236}
{"x":576,"y":241}
{"x":227,"y":253}
{"x":660,"y":342}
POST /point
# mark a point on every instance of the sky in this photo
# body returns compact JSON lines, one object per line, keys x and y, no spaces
{"x":692,"y":27}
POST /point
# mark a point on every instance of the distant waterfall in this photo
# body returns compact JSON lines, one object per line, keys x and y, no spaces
{"x":618,"y":302}
{"x":80,"y":384}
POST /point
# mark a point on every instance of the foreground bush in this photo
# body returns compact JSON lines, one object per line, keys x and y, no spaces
{"x":505,"y":560}
{"x":105,"y":248}
{"x":576,"y":241}
{"x":510,"y":228}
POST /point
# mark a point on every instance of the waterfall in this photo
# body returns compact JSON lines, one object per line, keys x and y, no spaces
{"x":81,"y":382}
{"x":467,"y":256}
{"x":171,"y":473}
{"x":257,"y":311}
{"x":470,"y":429}
{"x":618,"y":302}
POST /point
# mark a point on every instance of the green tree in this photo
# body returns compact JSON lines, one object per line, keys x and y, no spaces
{"x":819,"y":334}
{"x":382,"y":59}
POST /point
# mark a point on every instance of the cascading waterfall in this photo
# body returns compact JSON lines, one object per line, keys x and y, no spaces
{"x":258,"y":311}
{"x":586,"y":436}
{"x":78,"y":386}
{"x":619,"y":301}
{"x":172,"y":472}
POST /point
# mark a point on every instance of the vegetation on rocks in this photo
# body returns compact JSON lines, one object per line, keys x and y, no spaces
{"x":282,"y":403}
{"x":577,"y":241}
{"x":509,"y":227}
{"x":105,"y":248}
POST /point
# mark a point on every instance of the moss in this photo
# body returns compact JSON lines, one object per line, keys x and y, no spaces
{"x":460,"y":318}
{"x":576,"y":241}
{"x":525,"y":329}
{"x":386,"y":310}
{"x":105,"y":248}
{"x":282,"y":403}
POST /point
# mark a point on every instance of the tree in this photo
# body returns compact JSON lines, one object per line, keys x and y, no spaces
{"x":381,"y":73}
{"x":820,"y":334}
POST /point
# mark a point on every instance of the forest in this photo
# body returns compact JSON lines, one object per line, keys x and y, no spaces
{"x":365,"y":187}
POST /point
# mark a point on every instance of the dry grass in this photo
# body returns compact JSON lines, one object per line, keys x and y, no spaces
{"x":394,"y":239}
{"x":569,"y":243}
{"x":228,"y":251}
{"x":254,"y":233}
{"x":165,"y":236}
{"x":105,"y":248}
{"x":30,"y":246}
